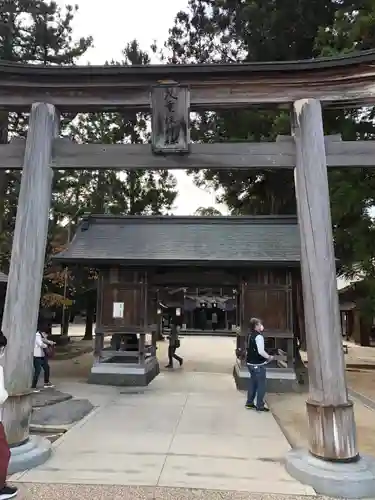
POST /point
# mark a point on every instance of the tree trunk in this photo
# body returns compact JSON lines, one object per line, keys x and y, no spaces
{"x":65,"y":322}
{"x":3,"y":173}
{"x":131,"y":179}
{"x":90,"y":311}
{"x":365,"y":332}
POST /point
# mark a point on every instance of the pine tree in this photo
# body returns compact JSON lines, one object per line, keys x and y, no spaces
{"x":134,"y":192}
{"x":352,"y":192}
{"x":128,"y":192}
{"x":257,"y":30}
{"x":207,"y":212}
{"x":252,"y":30}
{"x":265,"y":30}
{"x":30,"y":31}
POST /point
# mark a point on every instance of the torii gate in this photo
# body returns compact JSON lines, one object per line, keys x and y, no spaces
{"x":333,"y":465}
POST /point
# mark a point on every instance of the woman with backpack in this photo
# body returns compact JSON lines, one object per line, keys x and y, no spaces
{"x":42,"y":350}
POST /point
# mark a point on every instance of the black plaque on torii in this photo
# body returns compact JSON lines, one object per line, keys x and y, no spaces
{"x":170,"y":104}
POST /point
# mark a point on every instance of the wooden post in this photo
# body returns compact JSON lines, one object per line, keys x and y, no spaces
{"x":330,"y":413}
{"x":141,"y":348}
{"x":356,"y":326}
{"x":243,"y":326}
{"x":98,"y":346}
{"x":99,"y":333}
{"x":154,"y":342}
{"x":26,"y":270}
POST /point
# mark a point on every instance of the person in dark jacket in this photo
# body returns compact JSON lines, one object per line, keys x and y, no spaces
{"x":174,"y":344}
{"x":256,"y":360}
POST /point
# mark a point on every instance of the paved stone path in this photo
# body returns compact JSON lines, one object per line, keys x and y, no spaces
{"x":188,"y":430}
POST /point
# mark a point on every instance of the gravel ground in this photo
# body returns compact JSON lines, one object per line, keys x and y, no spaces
{"x":72,"y":492}
{"x":290,"y":412}
{"x":362,"y":381}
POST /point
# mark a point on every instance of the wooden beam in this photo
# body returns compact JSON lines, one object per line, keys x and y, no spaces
{"x":12,"y":154}
{"x":330,"y":414}
{"x":68,"y":155}
{"x":26,"y":270}
{"x":222,"y":156}
{"x":343,"y":81}
{"x":266,"y":93}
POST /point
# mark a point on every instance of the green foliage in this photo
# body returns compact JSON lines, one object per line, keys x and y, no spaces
{"x":32,"y":31}
{"x":115,"y":192}
{"x":126,"y":192}
{"x":251,"y":30}
{"x":207,"y":212}
{"x":275,"y":30}
{"x":40,"y":31}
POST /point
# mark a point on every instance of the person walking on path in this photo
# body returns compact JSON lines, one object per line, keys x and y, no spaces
{"x":41,"y":347}
{"x":256,"y":360}
{"x":214,"y":320}
{"x":174,"y":344}
{"x":5,"y":490}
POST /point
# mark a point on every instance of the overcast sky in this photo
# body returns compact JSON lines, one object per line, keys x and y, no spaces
{"x":113,"y":23}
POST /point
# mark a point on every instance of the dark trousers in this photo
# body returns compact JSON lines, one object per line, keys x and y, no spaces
{"x":257,"y":385}
{"x":4,"y":456}
{"x":39,"y":364}
{"x":172,"y":355}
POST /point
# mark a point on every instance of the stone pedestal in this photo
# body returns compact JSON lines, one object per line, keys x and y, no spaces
{"x":34,"y":452}
{"x":278,"y":379}
{"x":339,"y":480}
{"x":116,"y":372}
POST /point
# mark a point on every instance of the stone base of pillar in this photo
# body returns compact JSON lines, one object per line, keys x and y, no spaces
{"x":34,"y":452}
{"x":332,"y":479}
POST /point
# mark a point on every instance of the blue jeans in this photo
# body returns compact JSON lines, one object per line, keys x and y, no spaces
{"x":257,"y":386}
{"x":39,"y":364}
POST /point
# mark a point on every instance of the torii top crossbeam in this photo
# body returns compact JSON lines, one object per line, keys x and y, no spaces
{"x":339,"y":81}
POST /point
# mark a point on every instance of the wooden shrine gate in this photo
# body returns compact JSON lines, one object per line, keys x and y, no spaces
{"x":303,"y":87}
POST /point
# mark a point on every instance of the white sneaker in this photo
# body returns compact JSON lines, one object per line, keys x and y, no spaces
{"x":49,"y":386}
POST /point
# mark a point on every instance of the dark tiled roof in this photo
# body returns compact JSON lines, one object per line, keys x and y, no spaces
{"x":171,"y":239}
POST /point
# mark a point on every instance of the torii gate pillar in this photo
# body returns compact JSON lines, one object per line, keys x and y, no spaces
{"x":332,"y":466}
{"x":24,"y":287}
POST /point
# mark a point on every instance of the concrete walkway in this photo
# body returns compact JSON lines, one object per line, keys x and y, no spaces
{"x":189,"y":429}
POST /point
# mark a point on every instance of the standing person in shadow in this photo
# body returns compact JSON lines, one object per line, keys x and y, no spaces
{"x":214,"y":320}
{"x":174,"y":344}
{"x":257,"y":359}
